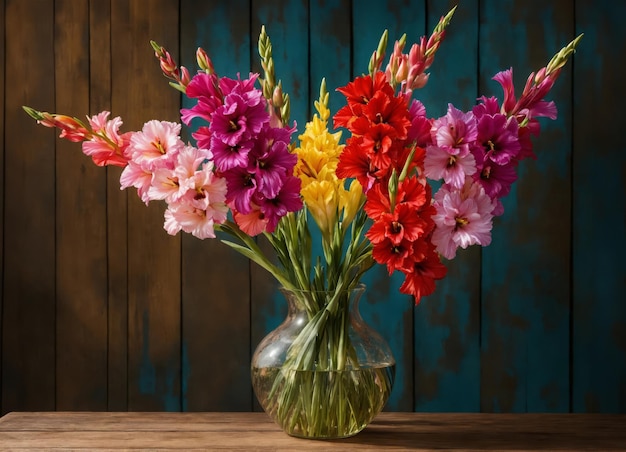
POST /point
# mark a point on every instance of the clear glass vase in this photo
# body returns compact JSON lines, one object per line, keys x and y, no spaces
{"x":323,"y":373}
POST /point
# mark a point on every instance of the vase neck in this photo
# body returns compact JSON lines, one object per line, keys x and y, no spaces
{"x":312,"y":302}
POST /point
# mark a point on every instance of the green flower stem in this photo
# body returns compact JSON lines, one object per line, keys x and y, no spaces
{"x":320,"y":389}
{"x":252,"y":251}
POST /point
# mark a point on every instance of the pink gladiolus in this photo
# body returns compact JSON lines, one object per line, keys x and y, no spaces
{"x":209,"y":190}
{"x":188,"y":219}
{"x":463,"y":218}
{"x":156,"y":145}
{"x":456,"y":130}
{"x":134,"y":175}
{"x":228,"y":157}
{"x":106,"y":145}
{"x":442,"y":163}
{"x":505,"y":79}
{"x":164,"y":185}
{"x":200,"y":207}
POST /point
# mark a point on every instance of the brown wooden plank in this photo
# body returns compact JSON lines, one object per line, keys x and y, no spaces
{"x":116,"y":203}
{"x":140,"y":93}
{"x":81,"y":284}
{"x":215,"y":281}
{"x":245,"y":431}
{"x":29,"y":217}
{"x":2,"y":42}
{"x":134,"y":421}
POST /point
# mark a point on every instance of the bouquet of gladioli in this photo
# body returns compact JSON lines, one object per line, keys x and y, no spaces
{"x":371,"y":198}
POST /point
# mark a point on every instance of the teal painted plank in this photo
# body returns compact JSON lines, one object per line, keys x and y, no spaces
{"x":215,"y":279}
{"x":330,"y":49}
{"x":370,"y":18}
{"x":330,"y":36}
{"x":287,"y":24}
{"x":447,"y":323}
{"x":526,"y":270}
{"x":599,"y":216}
{"x":387,"y":310}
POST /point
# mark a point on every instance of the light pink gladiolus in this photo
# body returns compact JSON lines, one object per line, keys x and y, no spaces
{"x":135,"y":175}
{"x":156,"y":145}
{"x":463,"y":218}
{"x":440,"y":163}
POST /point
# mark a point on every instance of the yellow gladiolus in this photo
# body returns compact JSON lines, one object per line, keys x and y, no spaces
{"x":322,"y":201}
{"x":322,"y":191}
{"x":351,"y":201}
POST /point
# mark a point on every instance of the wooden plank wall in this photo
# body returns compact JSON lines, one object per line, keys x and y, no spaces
{"x":102,"y":310}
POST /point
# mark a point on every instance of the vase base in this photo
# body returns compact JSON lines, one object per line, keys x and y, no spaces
{"x":323,"y":404}
{"x":324,"y":438}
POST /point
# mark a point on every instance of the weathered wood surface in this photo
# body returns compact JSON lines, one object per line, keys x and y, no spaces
{"x":101,"y":310}
{"x":28,"y":292}
{"x":523,"y":311}
{"x":598,"y":306}
{"x":447,"y":326}
{"x":255,"y":431}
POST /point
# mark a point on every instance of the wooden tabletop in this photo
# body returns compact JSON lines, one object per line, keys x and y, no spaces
{"x":255,"y":431}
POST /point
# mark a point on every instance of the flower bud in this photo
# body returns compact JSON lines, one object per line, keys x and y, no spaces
{"x":71,"y":128}
{"x":403,"y":70}
{"x":168,"y":65}
{"x":541,"y":74}
{"x":419,"y":81}
{"x":393,"y":189}
{"x":277,"y":96}
{"x":204,"y":62}
{"x":377,"y":57}
{"x":184,"y":76}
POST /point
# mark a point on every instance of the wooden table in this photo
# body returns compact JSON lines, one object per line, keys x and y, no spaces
{"x":255,"y":431}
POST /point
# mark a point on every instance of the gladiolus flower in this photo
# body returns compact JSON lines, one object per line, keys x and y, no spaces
{"x":420,"y":279}
{"x":322,"y":201}
{"x":156,"y":145}
{"x":463,"y":218}
{"x":456,"y":131}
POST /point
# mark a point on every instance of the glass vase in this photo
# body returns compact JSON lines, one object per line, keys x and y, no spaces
{"x":323,"y":373}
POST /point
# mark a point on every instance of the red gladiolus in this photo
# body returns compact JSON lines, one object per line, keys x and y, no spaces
{"x":420,"y":280}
